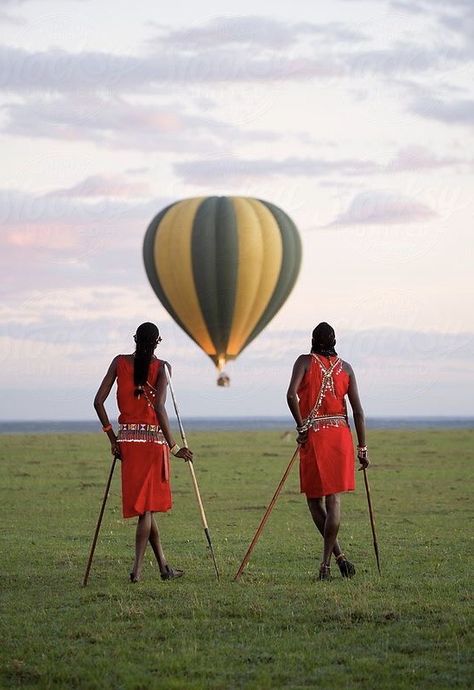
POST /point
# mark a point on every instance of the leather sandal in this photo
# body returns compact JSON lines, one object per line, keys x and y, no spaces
{"x":324,"y":572}
{"x":171,"y":573}
{"x":346,"y":567}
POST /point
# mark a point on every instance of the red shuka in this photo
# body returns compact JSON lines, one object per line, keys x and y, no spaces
{"x":327,"y":458}
{"x":145,"y":454}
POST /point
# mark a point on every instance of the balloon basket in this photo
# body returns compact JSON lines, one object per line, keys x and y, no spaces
{"x":223,"y":380}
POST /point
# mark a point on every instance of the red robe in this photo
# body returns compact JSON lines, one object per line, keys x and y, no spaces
{"x":327,"y":458}
{"x":145,"y":453}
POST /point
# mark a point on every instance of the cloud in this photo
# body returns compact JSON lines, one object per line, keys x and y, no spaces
{"x":104,"y":186}
{"x":456,"y":15}
{"x":410,"y":6}
{"x":208,"y":171}
{"x":65,"y":257}
{"x":23,"y":209}
{"x":60,"y":71}
{"x":254,"y":31}
{"x":241,"y":49}
{"x":262,"y":32}
{"x":383,"y":208}
{"x":59,"y":241}
{"x":230,"y":169}
{"x":456,"y":111}
{"x":18,"y":3}
{"x":365,"y":344}
{"x":67,"y":311}
{"x":255,"y":50}
{"x":462,"y":25}
{"x":120,"y":124}
{"x":225,"y":49}
{"x":420,"y":158}
{"x":401,"y":59}
{"x":444,"y":50}
{"x":8,"y":18}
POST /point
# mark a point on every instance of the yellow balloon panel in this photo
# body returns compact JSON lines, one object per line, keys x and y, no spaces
{"x":174,"y":265}
{"x":260,"y":255}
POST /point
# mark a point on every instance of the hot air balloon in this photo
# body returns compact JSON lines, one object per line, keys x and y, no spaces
{"x":222,"y":267}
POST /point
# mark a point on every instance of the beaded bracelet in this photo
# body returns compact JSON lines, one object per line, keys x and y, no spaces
{"x":175,"y":449}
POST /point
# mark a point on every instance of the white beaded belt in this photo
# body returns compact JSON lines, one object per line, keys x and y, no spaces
{"x":140,"y":433}
{"x":325,"y":421}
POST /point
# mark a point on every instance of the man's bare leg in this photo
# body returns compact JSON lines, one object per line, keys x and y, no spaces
{"x":141,"y":540}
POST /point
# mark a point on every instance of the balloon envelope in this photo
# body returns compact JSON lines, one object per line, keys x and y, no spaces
{"x":222,"y":267}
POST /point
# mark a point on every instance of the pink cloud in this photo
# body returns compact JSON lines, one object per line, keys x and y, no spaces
{"x":120,"y":124}
{"x":42,"y":237}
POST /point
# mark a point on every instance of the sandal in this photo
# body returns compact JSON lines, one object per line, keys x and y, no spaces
{"x":324,"y":572}
{"x":346,"y":567}
{"x":134,"y":578}
{"x":171,"y":573}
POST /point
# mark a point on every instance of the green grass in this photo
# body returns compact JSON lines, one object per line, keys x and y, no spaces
{"x":278,"y":627}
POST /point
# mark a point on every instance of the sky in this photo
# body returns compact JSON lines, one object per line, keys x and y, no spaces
{"x":355,"y":117}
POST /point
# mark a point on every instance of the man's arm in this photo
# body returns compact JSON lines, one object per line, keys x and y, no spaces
{"x":358,"y":414}
{"x":99,"y":400}
{"x":162,"y":415}
{"x":299,"y":370}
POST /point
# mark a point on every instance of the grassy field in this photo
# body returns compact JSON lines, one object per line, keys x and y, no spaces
{"x":278,"y":627}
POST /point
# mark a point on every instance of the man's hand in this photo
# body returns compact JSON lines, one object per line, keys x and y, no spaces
{"x":302,"y":437}
{"x":184,"y":453}
{"x":115,"y":448}
{"x":363,"y":458}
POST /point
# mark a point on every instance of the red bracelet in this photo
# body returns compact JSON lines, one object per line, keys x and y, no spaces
{"x":107,"y":428}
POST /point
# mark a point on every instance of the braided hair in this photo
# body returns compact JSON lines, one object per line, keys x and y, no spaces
{"x":146,"y":339}
{"x":323,"y":340}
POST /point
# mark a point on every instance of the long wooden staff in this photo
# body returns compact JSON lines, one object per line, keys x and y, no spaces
{"x":99,"y":521}
{"x":266,"y":516}
{"x":372,"y":521}
{"x":193,"y":476}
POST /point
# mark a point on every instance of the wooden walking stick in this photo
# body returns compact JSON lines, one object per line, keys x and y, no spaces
{"x":99,"y":521}
{"x":193,"y":476}
{"x":266,"y":516}
{"x":372,"y":521}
